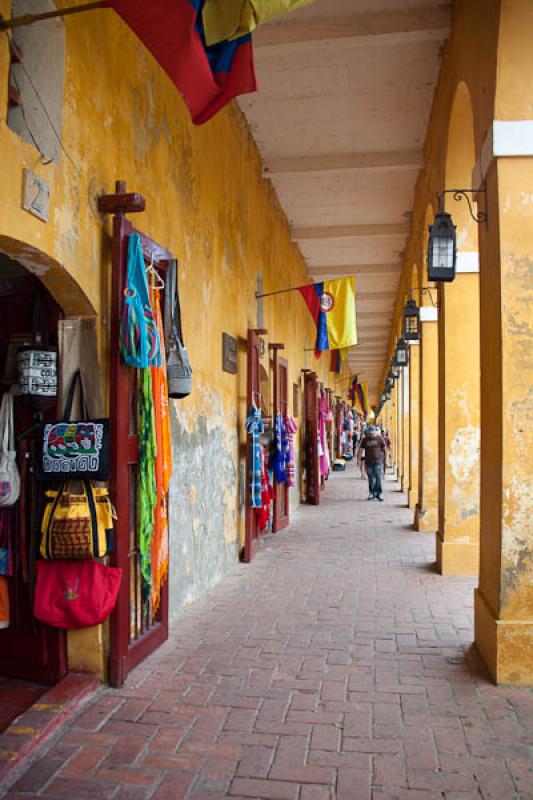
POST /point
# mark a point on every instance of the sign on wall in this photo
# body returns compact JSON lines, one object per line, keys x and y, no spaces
{"x":36,"y":195}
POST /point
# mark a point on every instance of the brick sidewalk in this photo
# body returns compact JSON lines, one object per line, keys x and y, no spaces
{"x":331,"y":668}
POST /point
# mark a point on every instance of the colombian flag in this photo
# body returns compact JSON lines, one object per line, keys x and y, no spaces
{"x":359,"y":396}
{"x":332,"y":306}
{"x":207,"y":77}
{"x":229,"y":19}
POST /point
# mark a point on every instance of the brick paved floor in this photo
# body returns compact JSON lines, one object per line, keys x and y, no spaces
{"x":332,"y":668}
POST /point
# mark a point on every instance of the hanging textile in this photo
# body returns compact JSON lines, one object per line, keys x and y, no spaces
{"x":163,"y":465}
{"x":267,"y":495}
{"x":324,"y":454}
{"x":279,"y":457}
{"x":254,"y":428}
{"x":4,"y":602}
{"x":146,"y":484}
{"x":291,"y":427}
{"x":7,"y":542}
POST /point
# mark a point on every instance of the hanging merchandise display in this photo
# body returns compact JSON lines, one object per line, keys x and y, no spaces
{"x":267,"y":495}
{"x":323,"y":414}
{"x":37,"y":361}
{"x":9,"y":474}
{"x":77,"y":524}
{"x":4,"y":603}
{"x":279,"y":457}
{"x":7,"y":543}
{"x":163,"y":466}
{"x":291,"y":428}
{"x":254,"y":428}
{"x":75,"y":594}
{"x":138,"y":339}
{"x":179,"y":370}
{"x":74,"y":449}
{"x":146,"y":482}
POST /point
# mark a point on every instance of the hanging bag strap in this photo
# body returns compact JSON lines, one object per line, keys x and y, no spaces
{"x":4,"y":431}
{"x":76,"y":381}
{"x":7,"y":423}
{"x":173,"y":328}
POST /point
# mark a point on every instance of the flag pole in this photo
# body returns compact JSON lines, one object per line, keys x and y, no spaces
{"x":297,"y":288}
{"x":29,"y":19}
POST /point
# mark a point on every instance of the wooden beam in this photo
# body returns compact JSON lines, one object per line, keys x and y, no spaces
{"x":355,"y":269}
{"x":364,"y":30}
{"x":303,"y":165}
{"x":350,"y":231}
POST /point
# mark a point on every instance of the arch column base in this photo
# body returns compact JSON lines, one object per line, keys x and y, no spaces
{"x":457,"y":558}
{"x":426,"y":519}
{"x":506,"y":646}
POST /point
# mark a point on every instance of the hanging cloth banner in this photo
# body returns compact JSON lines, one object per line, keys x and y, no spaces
{"x":332,"y":306}
{"x":359,"y":396}
{"x":207,"y":77}
{"x":230,"y":19}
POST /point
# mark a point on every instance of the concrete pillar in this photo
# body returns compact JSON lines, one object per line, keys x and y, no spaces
{"x":504,"y":600}
{"x":414,"y":400}
{"x":394,"y":429}
{"x":405,"y":428}
{"x":426,"y":511}
{"x":459,"y":383}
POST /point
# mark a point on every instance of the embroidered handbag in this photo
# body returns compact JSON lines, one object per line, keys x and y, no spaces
{"x":77,"y":524}
{"x":9,"y":474}
{"x":71,"y":594}
{"x":76,"y":450}
{"x":179,"y":370}
{"x":37,"y":362}
{"x":138,"y":338}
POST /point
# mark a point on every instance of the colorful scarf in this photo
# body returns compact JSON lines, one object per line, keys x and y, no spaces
{"x":267,"y":495}
{"x":279,"y":457}
{"x":163,"y":465}
{"x":254,"y":428}
{"x":291,"y":427}
{"x":146,"y":483}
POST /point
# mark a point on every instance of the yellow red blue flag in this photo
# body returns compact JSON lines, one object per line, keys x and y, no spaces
{"x":332,"y":306}
{"x":229,"y":19}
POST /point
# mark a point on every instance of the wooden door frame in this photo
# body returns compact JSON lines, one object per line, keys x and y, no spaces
{"x":253,"y":395}
{"x":279,"y":522}
{"x":123,"y":655}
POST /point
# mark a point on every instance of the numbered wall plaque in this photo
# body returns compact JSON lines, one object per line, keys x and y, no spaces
{"x":229,"y":354}
{"x":36,"y":195}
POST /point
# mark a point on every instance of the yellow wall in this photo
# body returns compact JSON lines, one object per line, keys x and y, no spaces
{"x":206,"y":202}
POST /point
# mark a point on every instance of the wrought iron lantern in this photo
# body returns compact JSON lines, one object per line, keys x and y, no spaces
{"x":402,"y":353}
{"x":411,"y":321}
{"x":442,"y":248}
{"x":393,"y":375}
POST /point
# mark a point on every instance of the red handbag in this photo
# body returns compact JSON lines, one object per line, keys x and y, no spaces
{"x":75,"y":594}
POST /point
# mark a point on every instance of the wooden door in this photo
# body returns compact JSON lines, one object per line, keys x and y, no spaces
{"x":281,"y":406}
{"x":29,"y":650}
{"x":253,"y":397}
{"x":135,"y":631}
{"x":338,"y":428}
{"x":312,"y":464}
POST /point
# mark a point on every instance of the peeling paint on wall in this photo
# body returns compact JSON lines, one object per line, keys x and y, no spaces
{"x":464,"y":453}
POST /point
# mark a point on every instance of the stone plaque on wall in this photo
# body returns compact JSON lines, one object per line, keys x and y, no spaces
{"x":229,"y":354}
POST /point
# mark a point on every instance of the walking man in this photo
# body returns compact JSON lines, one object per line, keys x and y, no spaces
{"x":373,"y":446}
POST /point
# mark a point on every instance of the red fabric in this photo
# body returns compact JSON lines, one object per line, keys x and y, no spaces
{"x":312,"y":299}
{"x":168,"y":29}
{"x":75,"y":594}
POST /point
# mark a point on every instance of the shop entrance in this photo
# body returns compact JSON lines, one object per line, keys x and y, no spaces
{"x":281,"y":490}
{"x":29,"y":650}
{"x":312,"y":464}
{"x":253,"y":397}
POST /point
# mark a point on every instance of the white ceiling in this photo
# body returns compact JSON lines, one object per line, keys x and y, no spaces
{"x":340,"y":119}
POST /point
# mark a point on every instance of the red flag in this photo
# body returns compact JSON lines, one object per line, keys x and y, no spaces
{"x":207,"y":77}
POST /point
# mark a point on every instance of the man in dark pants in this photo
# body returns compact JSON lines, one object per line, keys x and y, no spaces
{"x":374,"y":449}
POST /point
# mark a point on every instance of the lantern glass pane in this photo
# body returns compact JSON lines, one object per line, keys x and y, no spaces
{"x":411,"y":324}
{"x":442,"y":252}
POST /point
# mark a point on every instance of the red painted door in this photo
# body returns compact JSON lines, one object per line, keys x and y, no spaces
{"x":253,"y":397}
{"x":29,"y":649}
{"x":135,"y":631}
{"x":281,"y":406}
{"x":312,"y":464}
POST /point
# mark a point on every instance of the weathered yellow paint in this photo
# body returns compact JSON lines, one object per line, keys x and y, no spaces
{"x":426,"y":512}
{"x":414,"y":401}
{"x":206,"y":201}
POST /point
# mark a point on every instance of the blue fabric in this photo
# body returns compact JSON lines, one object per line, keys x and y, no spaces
{"x":322,"y":339}
{"x":280,"y":456}
{"x":373,"y":472}
{"x":254,"y":428}
{"x":139,"y":338}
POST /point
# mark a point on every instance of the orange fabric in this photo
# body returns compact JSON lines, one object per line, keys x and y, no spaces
{"x":4,"y":602}
{"x":163,"y":463}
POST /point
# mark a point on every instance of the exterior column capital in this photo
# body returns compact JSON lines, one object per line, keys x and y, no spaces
{"x":503,"y":139}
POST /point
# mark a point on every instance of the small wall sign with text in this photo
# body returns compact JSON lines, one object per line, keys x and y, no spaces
{"x":36,"y":195}
{"x":229,"y":354}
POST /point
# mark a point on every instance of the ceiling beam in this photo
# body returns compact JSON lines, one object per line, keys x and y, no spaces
{"x":303,"y":165}
{"x":367,"y":30}
{"x":365,"y":296}
{"x":355,"y":269}
{"x":343,"y":231}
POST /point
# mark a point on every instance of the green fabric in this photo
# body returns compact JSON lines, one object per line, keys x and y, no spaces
{"x":230,"y":19}
{"x":146,"y":484}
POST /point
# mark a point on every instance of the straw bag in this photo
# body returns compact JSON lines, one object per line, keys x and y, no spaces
{"x":9,"y":474}
{"x":77,"y":524}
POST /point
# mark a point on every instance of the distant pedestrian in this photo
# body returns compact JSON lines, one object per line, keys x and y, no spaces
{"x":374,"y":450}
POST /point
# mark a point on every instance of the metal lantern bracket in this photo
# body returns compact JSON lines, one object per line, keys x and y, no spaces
{"x":459,"y":194}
